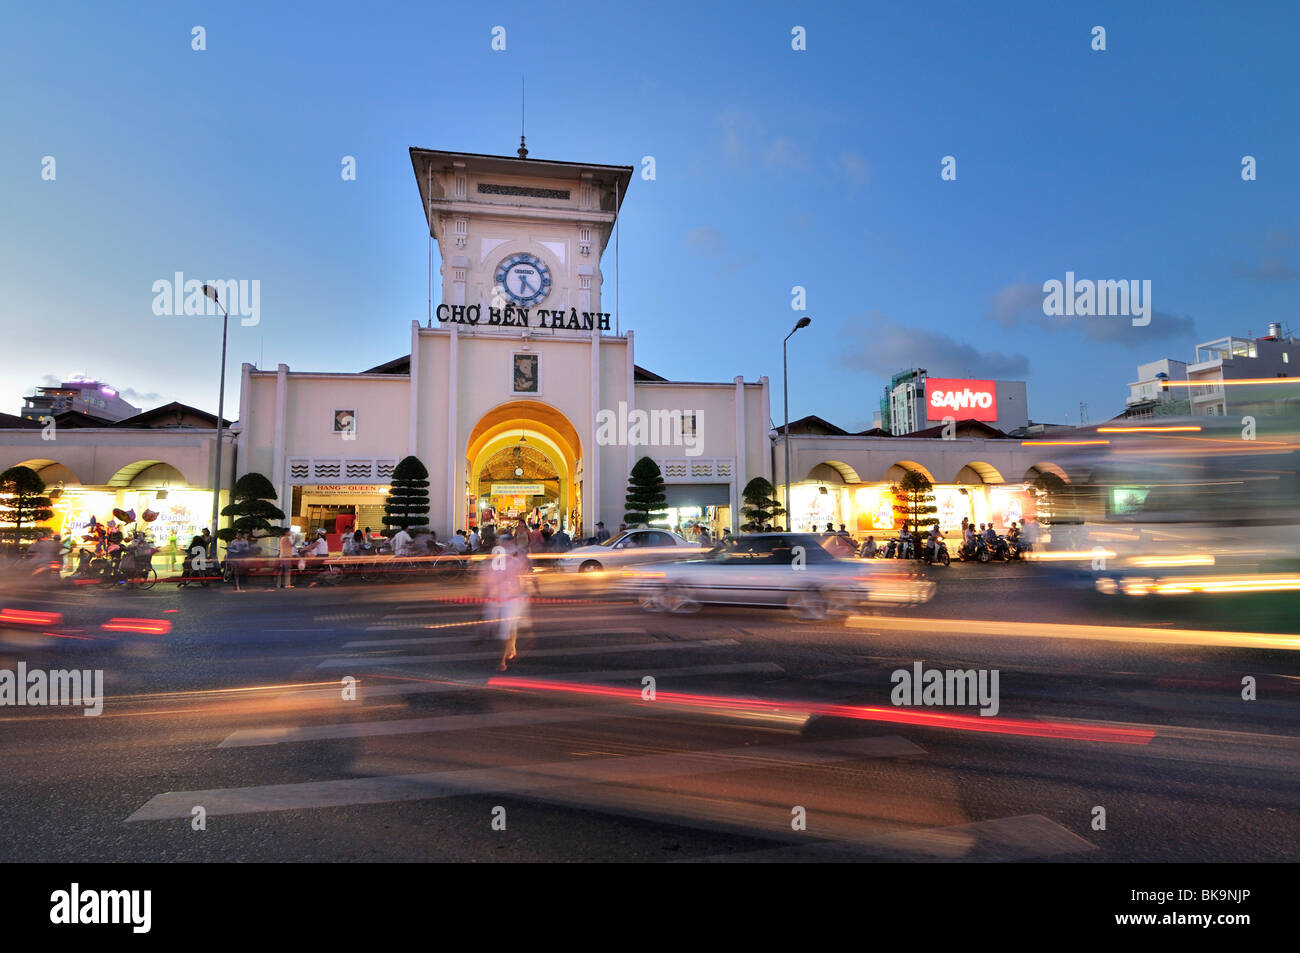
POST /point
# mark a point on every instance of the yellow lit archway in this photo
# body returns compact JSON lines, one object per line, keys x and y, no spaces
{"x":549,"y":438}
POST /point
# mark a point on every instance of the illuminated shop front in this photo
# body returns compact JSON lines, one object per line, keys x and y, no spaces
{"x":870,"y":508}
{"x":337,"y":508}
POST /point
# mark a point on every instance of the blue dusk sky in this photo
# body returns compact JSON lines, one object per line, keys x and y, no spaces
{"x":774,"y":167}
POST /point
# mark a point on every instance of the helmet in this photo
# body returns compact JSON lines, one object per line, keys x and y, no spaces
{"x":320,"y":532}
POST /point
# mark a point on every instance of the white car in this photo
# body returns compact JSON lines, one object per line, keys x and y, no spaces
{"x":775,"y":569}
{"x":628,"y":548}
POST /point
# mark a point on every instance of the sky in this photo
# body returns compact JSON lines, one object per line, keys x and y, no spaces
{"x":775,"y":168}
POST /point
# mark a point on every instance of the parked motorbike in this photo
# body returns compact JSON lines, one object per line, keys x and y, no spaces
{"x":930,"y":556}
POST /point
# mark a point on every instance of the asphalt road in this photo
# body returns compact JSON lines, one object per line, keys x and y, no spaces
{"x":767,"y":738}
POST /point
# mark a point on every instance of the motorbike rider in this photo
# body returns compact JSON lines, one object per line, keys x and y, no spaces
{"x":905,"y":543}
{"x":932,"y":543}
{"x":967,"y":538}
{"x":869,"y":548}
{"x":994,"y":543}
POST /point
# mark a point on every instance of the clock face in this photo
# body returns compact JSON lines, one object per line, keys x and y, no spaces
{"x":525,"y":279}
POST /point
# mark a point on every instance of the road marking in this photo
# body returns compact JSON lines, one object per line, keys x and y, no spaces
{"x":252,"y":737}
{"x":524,"y":780}
{"x":359,"y":661}
{"x":1025,"y":837}
{"x":375,"y":686}
{"x":1058,"y":630}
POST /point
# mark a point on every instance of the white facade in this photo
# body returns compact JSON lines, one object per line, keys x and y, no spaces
{"x":490,"y":372}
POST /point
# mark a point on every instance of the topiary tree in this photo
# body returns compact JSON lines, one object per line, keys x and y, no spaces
{"x":408,"y":499}
{"x":646,"y":493}
{"x":23,"y":503}
{"x":252,"y":509}
{"x":914,"y":499}
{"x":761,"y":505}
{"x":1054,"y":499}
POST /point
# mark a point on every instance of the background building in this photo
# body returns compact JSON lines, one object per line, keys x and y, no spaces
{"x":914,"y":400}
{"x":92,"y":398}
{"x":1205,"y":388}
{"x":1148,"y":397}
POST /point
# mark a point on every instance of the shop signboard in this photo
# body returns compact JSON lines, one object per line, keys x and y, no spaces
{"x":960,"y":399}
{"x":518,"y":489}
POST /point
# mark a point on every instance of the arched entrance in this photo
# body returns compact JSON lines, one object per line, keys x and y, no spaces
{"x":524,"y":457}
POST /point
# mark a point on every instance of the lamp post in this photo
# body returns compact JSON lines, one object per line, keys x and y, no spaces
{"x":785,"y":433}
{"x":211,"y":292}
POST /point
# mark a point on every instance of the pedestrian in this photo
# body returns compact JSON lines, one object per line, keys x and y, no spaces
{"x":560,"y":541}
{"x":284,"y":561}
{"x":401,"y":542}
{"x":236,"y":554}
{"x":505,"y":596}
{"x":602,"y":534}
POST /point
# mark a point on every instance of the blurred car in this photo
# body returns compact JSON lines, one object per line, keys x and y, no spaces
{"x":792,"y":570}
{"x":628,"y":548}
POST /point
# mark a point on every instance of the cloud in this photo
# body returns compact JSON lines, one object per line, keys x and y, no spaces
{"x":854,"y":168}
{"x":884,"y":347}
{"x":1016,"y":302}
{"x":1020,"y":305}
{"x":739,"y":133}
{"x":133,"y":396}
{"x":786,"y":154}
{"x":706,"y":240}
{"x":1271,"y":269}
{"x":710,"y":243}
{"x":743,"y":137}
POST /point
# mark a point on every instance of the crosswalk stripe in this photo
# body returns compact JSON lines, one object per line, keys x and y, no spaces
{"x":359,"y":661}
{"x":252,"y":737}
{"x":519,"y":781}
{"x":1024,"y":837}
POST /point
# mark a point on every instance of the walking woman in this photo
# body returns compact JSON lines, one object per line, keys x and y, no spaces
{"x":284,"y":565}
{"x":505,"y":595}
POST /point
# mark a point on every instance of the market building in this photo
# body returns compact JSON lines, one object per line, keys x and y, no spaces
{"x":520,"y":394}
{"x":162,"y":460}
{"x":977,"y":472}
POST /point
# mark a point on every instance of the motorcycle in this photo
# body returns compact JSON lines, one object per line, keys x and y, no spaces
{"x":931,"y":556}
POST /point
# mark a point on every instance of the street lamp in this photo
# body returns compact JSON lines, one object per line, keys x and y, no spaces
{"x":785,"y":385}
{"x":211,"y":292}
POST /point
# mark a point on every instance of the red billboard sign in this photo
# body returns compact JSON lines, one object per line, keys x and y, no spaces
{"x":962,"y":399}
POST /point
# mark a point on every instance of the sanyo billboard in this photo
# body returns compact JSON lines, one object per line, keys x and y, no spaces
{"x":962,"y":399}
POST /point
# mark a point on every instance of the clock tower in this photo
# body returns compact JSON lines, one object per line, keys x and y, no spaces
{"x":519,"y":233}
